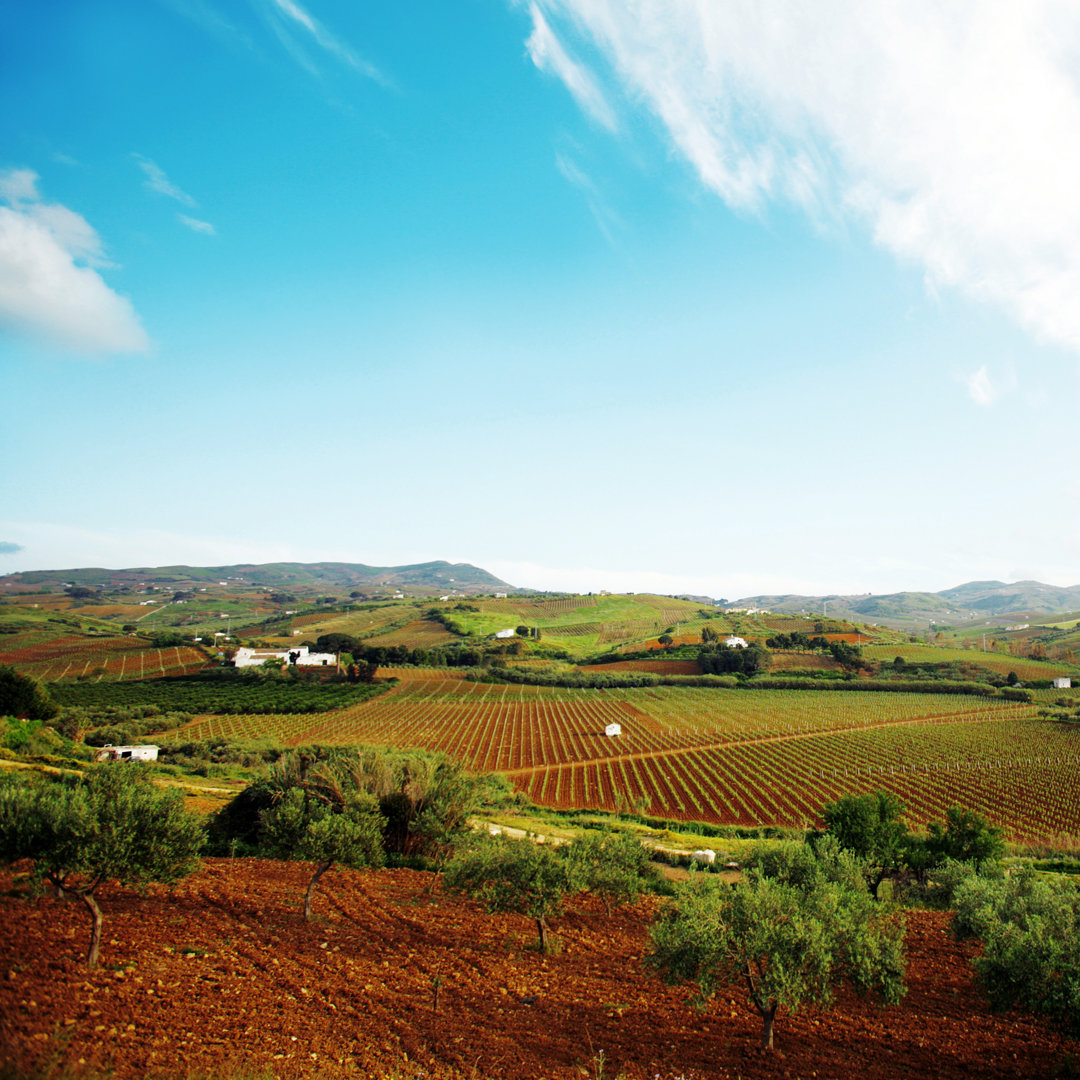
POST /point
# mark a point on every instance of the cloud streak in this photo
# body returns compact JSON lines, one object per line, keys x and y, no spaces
{"x":548,"y":54}
{"x":195,"y":225}
{"x":287,"y":15}
{"x":951,"y":131}
{"x":49,"y":287}
{"x":157,"y":181}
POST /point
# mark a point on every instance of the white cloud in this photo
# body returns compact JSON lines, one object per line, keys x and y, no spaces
{"x":295,"y":15}
{"x":981,"y":387}
{"x":951,"y":130}
{"x":44,"y":291}
{"x":548,"y":54}
{"x":198,"y":226}
{"x":156,"y":180}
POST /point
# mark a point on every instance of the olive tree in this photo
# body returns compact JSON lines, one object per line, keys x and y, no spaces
{"x":1030,"y":928}
{"x":791,"y":931}
{"x":320,"y":815}
{"x":111,"y":825}
{"x":614,"y":866}
{"x":515,"y":876}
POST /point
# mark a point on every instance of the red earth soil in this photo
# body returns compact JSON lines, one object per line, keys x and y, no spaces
{"x":221,"y":977}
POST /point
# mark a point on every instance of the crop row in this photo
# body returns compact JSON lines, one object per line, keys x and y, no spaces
{"x":546,"y":737}
{"x":1021,"y":774}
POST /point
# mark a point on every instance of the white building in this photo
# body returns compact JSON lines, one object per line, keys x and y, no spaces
{"x":127,"y":753}
{"x":1064,"y":683}
{"x":733,"y":642}
{"x":300,"y":656}
{"x":612,"y":730}
{"x":504,"y":633}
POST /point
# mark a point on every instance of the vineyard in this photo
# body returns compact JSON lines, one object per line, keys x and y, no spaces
{"x":731,"y":757}
{"x":76,"y":657}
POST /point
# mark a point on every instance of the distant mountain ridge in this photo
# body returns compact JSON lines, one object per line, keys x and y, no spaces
{"x":975,"y":599}
{"x":438,"y":576}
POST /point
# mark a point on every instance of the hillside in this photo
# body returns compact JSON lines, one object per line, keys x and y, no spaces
{"x":982,"y":602}
{"x":220,"y":976}
{"x":436,"y":576}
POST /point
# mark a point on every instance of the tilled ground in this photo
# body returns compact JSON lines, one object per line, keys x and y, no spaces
{"x":221,"y":977}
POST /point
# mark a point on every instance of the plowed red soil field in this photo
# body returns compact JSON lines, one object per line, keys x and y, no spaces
{"x":221,"y":977}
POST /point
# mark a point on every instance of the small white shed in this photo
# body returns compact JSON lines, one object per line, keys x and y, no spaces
{"x":1063,"y":683}
{"x":733,"y":642}
{"x":505,"y":633}
{"x":127,"y":753}
{"x":704,"y":855}
{"x":612,"y":730}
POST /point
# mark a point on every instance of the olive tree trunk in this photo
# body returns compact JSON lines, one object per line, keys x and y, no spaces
{"x":319,"y":871}
{"x":95,"y":933}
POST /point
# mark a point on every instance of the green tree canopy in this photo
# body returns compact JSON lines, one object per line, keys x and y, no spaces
{"x":320,"y":814}
{"x":22,"y":696}
{"x":515,"y":876}
{"x":1030,"y":928}
{"x":965,"y":836}
{"x":870,"y":825}
{"x":614,"y":866}
{"x":792,"y":930}
{"x":111,"y":825}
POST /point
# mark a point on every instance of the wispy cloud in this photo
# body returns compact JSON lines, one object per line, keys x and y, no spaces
{"x":548,"y":54}
{"x":286,"y":16}
{"x":952,"y":131}
{"x":606,"y":218}
{"x":48,"y":285}
{"x":206,"y":15}
{"x":156,"y":180}
{"x":198,"y":226}
{"x":981,"y":388}
{"x":8,"y":548}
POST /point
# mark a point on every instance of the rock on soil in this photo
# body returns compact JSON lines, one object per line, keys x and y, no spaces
{"x":221,"y":977}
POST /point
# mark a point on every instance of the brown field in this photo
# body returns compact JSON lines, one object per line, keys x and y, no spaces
{"x":802,"y":661}
{"x":220,"y":977}
{"x":129,"y":612}
{"x":656,"y":667}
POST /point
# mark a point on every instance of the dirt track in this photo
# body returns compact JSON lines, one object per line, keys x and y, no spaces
{"x":220,"y":974}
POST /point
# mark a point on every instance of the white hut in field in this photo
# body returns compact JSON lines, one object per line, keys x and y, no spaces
{"x":706,"y":856}
{"x":127,"y":753}
{"x":1063,"y":683}
{"x":612,"y":730}
{"x":300,"y":657}
{"x":733,"y":642}
{"x":505,"y":633}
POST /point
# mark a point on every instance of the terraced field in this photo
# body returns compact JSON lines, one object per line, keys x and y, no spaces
{"x":736,"y":757}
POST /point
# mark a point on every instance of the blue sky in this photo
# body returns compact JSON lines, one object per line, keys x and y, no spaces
{"x":668,"y":296}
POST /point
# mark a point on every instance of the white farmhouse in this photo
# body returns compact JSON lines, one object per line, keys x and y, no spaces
{"x":733,"y":642}
{"x":1063,"y":683}
{"x":127,"y":753}
{"x":300,"y":656}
